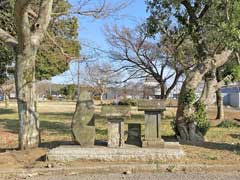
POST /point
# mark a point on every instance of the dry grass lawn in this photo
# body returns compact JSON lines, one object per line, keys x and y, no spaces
{"x":222,"y":145}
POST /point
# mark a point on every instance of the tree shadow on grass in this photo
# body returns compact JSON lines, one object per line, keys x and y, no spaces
{"x":66,"y":114}
{"x":54,"y":144}
{"x":3,"y":150}
{"x":207,"y":145}
{"x":7,"y":111}
{"x":215,"y":146}
{"x":10,"y":125}
{"x":236,"y":136}
{"x":59,"y":127}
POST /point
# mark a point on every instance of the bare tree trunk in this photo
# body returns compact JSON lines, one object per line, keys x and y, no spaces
{"x":6,"y":100}
{"x":29,"y":136}
{"x":219,"y":102}
{"x":101,"y":98}
{"x":162,"y":87}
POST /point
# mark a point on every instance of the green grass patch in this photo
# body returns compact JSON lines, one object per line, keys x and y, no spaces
{"x":228,"y":124}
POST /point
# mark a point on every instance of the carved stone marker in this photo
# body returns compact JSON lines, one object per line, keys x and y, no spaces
{"x":83,"y":129}
{"x":115,"y":116}
{"x":152,"y":115}
{"x":134,"y":134}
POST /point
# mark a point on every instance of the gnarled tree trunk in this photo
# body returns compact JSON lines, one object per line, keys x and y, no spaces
{"x":188,"y":131}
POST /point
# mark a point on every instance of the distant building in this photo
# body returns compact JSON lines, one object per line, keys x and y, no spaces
{"x":130,"y":91}
{"x":151,"y":89}
{"x":231,"y":95}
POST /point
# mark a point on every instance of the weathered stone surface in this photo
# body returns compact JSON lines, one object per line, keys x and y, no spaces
{"x":115,"y":129}
{"x":152,"y":125}
{"x":157,"y":143}
{"x":152,"y":114}
{"x":96,"y":154}
{"x":134,"y":134}
{"x":115,"y":109}
{"x":83,"y":128}
{"x":152,"y":136}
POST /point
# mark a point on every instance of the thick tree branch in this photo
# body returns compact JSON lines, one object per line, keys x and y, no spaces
{"x":204,"y":10}
{"x":44,"y":17}
{"x":22,"y":21}
{"x":221,"y":83}
{"x":174,"y":83}
{"x":191,"y":11}
{"x":8,"y":39}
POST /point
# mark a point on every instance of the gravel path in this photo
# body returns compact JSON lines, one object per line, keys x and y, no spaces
{"x":147,"y":176}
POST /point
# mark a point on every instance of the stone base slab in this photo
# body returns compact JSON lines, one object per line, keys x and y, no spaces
{"x":104,"y":154}
{"x":153,"y":143}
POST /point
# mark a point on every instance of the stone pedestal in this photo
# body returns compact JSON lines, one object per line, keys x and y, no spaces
{"x":115,"y":130}
{"x":152,"y":115}
{"x":152,"y":129}
{"x":134,"y":134}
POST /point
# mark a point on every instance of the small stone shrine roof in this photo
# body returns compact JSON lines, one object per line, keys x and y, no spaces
{"x":151,"y":105}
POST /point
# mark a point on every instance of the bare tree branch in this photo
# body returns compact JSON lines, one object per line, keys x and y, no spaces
{"x":104,"y":9}
{"x":142,"y":56}
{"x":68,"y":57}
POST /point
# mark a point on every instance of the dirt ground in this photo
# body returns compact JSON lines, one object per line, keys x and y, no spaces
{"x":222,"y":145}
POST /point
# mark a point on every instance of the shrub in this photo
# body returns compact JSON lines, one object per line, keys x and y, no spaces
{"x":201,"y":119}
{"x":128,"y":102}
{"x":188,"y":97}
{"x":228,"y":124}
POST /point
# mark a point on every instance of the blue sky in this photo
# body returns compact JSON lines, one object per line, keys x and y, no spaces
{"x":91,"y":31}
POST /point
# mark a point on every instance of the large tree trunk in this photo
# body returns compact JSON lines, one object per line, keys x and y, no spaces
{"x":29,"y":37}
{"x":219,"y":102}
{"x":187,"y":130}
{"x":208,"y":89}
{"x":29,"y":136}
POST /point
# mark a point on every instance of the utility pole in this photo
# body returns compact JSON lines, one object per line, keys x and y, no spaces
{"x":78,"y":75}
{"x":78,"y":79}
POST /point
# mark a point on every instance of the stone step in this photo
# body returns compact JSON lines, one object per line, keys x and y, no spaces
{"x":105,"y":154}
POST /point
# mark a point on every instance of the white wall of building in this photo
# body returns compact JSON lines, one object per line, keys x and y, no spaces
{"x":234,"y":99}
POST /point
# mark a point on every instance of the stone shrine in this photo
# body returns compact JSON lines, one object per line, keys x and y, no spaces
{"x":115,"y":117}
{"x":152,"y":117}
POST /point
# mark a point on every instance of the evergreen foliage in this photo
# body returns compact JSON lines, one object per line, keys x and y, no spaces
{"x":50,"y":61}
